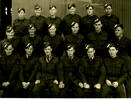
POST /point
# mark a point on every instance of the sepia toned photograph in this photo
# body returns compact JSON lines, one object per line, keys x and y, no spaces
{"x":65,"y":49}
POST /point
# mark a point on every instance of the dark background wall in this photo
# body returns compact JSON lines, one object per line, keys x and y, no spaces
{"x":120,"y":7}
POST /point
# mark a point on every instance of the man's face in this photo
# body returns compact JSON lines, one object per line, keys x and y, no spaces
{"x":48,"y":50}
{"x":53,"y":11}
{"x":118,"y":31}
{"x":75,"y":28}
{"x":90,"y":11}
{"x":108,"y":10}
{"x":38,"y":11}
{"x":9,"y":50}
{"x":21,"y":14}
{"x":29,"y":50}
{"x":72,"y":10}
{"x":52,"y":30}
{"x":91,"y":52}
{"x":70,"y":52}
{"x":32,"y":30}
{"x":98,"y":26}
{"x":113,"y":52}
{"x":10,"y":34}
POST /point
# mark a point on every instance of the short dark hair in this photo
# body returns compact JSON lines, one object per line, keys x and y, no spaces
{"x":118,"y":25}
{"x":46,"y":44}
{"x":107,"y":4}
{"x":52,"y":6}
{"x":96,"y":20}
{"x":88,"y":6}
{"x":37,"y":6}
{"x":71,"y":5}
{"x":88,"y":46}
{"x":21,"y":9}
{"x":112,"y":45}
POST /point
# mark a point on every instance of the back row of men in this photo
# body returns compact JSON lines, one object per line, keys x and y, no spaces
{"x":27,"y":36}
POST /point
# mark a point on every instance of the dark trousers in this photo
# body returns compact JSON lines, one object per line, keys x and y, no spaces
{"x":118,"y":92}
{"x":92,"y":93}
{"x":128,"y":90}
{"x":71,"y":91}
{"x":46,"y":88}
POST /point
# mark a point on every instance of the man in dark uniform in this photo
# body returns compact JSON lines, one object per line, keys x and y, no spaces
{"x":10,"y":38}
{"x":98,"y":38}
{"x":9,"y":68}
{"x":53,"y":19}
{"x":55,"y":39}
{"x":124,"y":45}
{"x":88,"y":20}
{"x":20,"y":24}
{"x":28,"y":70}
{"x":92,"y":73}
{"x":68,"y":19}
{"x":39,"y":21}
{"x":47,"y":81}
{"x":68,"y":74}
{"x":76,"y":39}
{"x":34,"y":39}
{"x":115,"y":74}
{"x":109,"y":20}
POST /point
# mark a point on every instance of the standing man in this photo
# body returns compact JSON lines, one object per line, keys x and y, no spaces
{"x":21,"y":23}
{"x":115,"y":73}
{"x":109,"y":20}
{"x":39,"y":21}
{"x":98,"y":38}
{"x":53,"y":19}
{"x":88,"y":20}
{"x":68,"y":19}
{"x":92,"y":73}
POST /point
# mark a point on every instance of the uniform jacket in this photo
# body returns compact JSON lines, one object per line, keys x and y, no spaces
{"x":20,"y":27}
{"x":9,"y":67}
{"x":69,"y":70}
{"x":87,"y":24}
{"x":115,"y":69}
{"x":92,"y":71}
{"x":48,"y":70}
{"x":67,"y":21}
{"x":28,"y":68}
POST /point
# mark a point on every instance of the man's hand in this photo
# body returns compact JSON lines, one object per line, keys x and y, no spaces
{"x":5,"y":84}
{"x":55,"y":82}
{"x":87,"y":86}
{"x":81,"y":85}
{"x":97,"y":86}
{"x":37,"y":82}
{"x":25,"y":84}
{"x":115,"y":84}
{"x":108,"y":83}
{"x":61,"y":85}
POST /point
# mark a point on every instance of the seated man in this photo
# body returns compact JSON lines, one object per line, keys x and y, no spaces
{"x":46,"y":84}
{"x":115,"y":73}
{"x":92,"y":73}
{"x":68,"y":75}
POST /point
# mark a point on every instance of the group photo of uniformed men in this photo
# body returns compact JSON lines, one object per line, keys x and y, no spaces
{"x":71,"y":57}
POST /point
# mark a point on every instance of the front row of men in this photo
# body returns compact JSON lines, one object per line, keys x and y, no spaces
{"x":69,"y":76}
